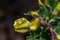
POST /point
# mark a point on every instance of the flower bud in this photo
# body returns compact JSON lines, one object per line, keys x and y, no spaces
{"x":34,"y":24}
{"x":33,"y":13}
{"x":21,"y":25}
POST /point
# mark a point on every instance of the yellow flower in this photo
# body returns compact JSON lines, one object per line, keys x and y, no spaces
{"x":40,"y":2}
{"x":58,"y":6}
{"x":58,"y":36}
{"x":21,"y":30}
{"x":21,"y":24}
{"x":33,"y":28}
{"x":34,"y":13}
{"x":34,"y":24}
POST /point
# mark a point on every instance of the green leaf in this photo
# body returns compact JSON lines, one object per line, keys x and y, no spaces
{"x":43,"y":12}
{"x":29,"y":38}
{"x":57,"y":29}
{"x":52,"y":3}
{"x":34,"y":35}
{"x":45,"y":36}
